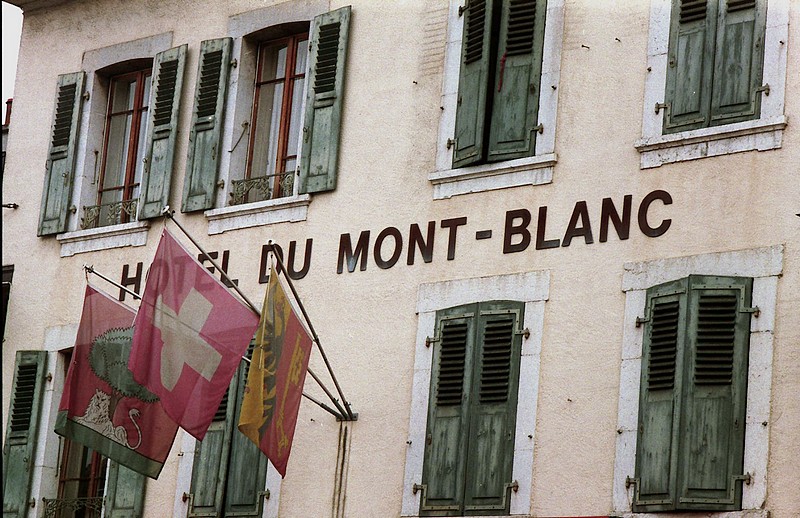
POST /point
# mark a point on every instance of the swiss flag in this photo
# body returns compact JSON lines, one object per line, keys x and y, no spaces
{"x":189,"y":336}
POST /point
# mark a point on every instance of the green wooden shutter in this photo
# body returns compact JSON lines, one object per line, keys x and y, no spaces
{"x":125,"y":495}
{"x":324,"y":96}
{"x":659,"y":397}
{"x":211,"y":460}
{"x":61,"y":156}
{"x":446,"y":437}
{"x":493,"y":408}
{"x":739,"y":61}
{"x":247,"y":470}
{"x":690,"y":65}
{"x":202,"y":164}
{"x":473,"y":81}
{"x":515,"y":102}
{"x":162,"y":131}
{"x":715,"y":394}
{"x":21,"y":431}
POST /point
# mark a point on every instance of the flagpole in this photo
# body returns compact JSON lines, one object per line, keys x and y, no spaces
{"x":90,"y":269}
{"x":168,"y":213}
{"x":350,"y":414}
{"x":336,"y":403}
{"x":325,"y":407}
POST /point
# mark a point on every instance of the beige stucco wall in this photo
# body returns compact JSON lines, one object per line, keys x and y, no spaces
{"x":366,"y":320}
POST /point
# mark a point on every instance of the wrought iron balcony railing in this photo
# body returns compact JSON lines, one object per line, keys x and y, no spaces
{"x":108,"y":213}
{"x":260,"y":188}
{"x":68,"y":507}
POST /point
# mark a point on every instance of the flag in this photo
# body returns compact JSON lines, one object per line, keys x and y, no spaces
{"x":275,"y":380}
{"x":102,"y":407}
{"x":190,"y":334}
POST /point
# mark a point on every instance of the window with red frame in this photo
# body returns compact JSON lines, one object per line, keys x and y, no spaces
{"x":81,"y":481}
{"x":123,"y":149}
{"x":276,"y":118}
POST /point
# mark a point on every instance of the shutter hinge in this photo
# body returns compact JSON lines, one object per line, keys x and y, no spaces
{"x":431,"y":340}
{"x":417,"y":488}
{"x":221,"y":183}
{"x":32,"y":503}
{"x":524,"y":332}
{"x":463,"y":8}
{"x":756,"y":311}
{"x":514,"y":486}
{"x":73,"y":209}
{"x":640,"y":321}
{"x":661,"y":105}
{"x":234,"y":63}
{"x":86,"y":94}
{"x":451,"y":142}
{"x":764,"y":89}
{"x":186,"y":496}
{"x":539,"y":129}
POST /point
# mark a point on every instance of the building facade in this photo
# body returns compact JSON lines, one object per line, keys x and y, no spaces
{"x":551,"y":248}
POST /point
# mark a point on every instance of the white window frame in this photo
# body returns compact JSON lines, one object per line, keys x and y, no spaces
{"x":766,"y":132}
{"x":238,"y":117}
{"x":531,"y":288}
{"x":534,"y":170}
{"x":764,"y":265}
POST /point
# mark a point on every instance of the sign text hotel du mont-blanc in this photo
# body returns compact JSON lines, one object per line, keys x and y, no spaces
{"x":389,"y":245}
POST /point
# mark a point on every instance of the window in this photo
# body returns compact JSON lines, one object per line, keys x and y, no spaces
{"x":277,"y":101}
{"x":138,"y":95}
{"x":284,"y":129}
{"x":472,"y":410}
{"x":123,"y":151}
{"x":19,"y":448}
{"x":500,"y":96}
{"x":441,"y":308}
{"x":716,"y":79}
{"x":688,"y":293}
{"x":716,"y":57}
{"x":81,"y":482}
{"x":229,"y":471}
{"x":690,"y":440}
{"x":498,"y":89}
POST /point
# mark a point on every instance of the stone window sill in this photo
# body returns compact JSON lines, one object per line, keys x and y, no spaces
{"x":534,"y":170}
{"x":748,"y":513}
{"x":761,"y":135}
{"x":281,"y":210}
{"x":103,"y":238}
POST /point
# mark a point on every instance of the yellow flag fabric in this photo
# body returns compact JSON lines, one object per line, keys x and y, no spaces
{"x":276,"y":376}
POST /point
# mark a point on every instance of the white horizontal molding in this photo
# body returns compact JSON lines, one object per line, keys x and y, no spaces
{"x":103,"y":238}
{"x":760,"y":135}
{"x":536,"y":170}
{"x":527,"y":287}
{"x":750,"y":513}
{"x":281,"y":210}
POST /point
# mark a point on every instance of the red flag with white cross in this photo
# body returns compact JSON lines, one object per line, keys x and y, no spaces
{"x":189,"y":336}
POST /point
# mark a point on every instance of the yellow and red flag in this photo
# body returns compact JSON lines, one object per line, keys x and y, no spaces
{"x":277,"y":373}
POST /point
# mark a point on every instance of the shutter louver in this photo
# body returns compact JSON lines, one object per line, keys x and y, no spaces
{"x":663,"y":346}
{"x":521,"y":23}
{"x":715,"y":338}
{"x":22,"y":431}
{"x":693,"y":10}
{"x":162,"y":131}
{"x":325,"y":78}
{"x":319,"y":154}
{"x":496,"y":361}
{"x":22,"y":407}
{"x":60,"y":171}
{"x":65,"y":106}
{"x":738,"y":5}
{"x":450,"y":383}
{"x":210,"y":73}
{"x":202,"y":163}
{"x":476,"y":26}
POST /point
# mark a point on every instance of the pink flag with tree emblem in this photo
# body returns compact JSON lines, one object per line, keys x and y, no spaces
{"x":189,"y":336}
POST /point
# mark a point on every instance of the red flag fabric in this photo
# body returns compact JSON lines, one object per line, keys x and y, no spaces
{"x":189,"y":336}
{"x":102,"y":407}
{"x":275,"y":380}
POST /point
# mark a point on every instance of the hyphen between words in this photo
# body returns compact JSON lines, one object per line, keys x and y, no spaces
{"x":390,"y":244}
